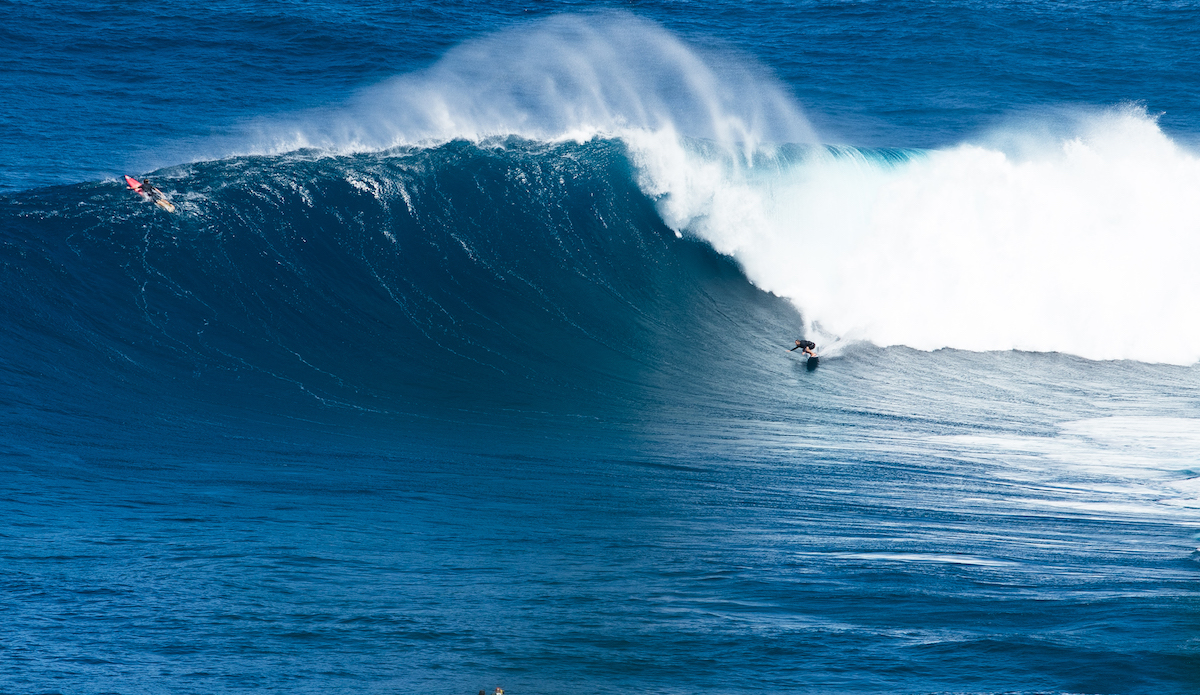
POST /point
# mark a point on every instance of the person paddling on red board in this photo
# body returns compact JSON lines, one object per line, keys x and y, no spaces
{"x":144,"y":187}
{"x":147,"y":189}
{"x":806,"y":346}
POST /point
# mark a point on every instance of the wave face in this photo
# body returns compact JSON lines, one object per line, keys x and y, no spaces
{"x":477,"y":277}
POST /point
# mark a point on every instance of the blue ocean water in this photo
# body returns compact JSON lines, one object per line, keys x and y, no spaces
{"x":461,"y":363}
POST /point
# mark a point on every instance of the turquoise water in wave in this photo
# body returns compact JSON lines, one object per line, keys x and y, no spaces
{"x":462,"y":362}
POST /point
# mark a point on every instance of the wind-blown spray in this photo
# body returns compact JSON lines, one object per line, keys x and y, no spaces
{"x":571,"y":77}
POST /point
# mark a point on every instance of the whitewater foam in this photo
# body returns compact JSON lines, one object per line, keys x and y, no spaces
{"x":1086,"y":244}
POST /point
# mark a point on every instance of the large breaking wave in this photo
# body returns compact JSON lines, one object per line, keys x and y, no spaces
{"x":551,"y":158}
{"x":1064,"y":232}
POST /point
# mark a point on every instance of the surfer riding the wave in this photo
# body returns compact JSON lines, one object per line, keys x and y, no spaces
{"x":806,"y":346}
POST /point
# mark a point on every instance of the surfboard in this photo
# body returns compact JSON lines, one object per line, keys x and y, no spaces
{"x":810,"y":361}
{"x":135,"y":185}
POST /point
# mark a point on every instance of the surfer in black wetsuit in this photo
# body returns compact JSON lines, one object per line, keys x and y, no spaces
{"x":148,"y":189}
{"x":806,"y":346}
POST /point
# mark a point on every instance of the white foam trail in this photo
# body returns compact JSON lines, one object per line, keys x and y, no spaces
{"x":1087,"y":244}
{"x":1123,"y":465}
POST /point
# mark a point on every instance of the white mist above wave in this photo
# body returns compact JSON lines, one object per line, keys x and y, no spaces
{"x":570,"y":77}
{"x":1086,"y":244}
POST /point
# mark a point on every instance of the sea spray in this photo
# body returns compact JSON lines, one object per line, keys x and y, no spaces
{"x":570,"y":77}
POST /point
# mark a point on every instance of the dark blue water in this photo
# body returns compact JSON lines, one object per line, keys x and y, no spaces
{"x":461,"y":362}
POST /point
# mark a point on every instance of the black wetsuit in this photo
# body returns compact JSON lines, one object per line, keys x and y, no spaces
{"x":804,"y":344}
